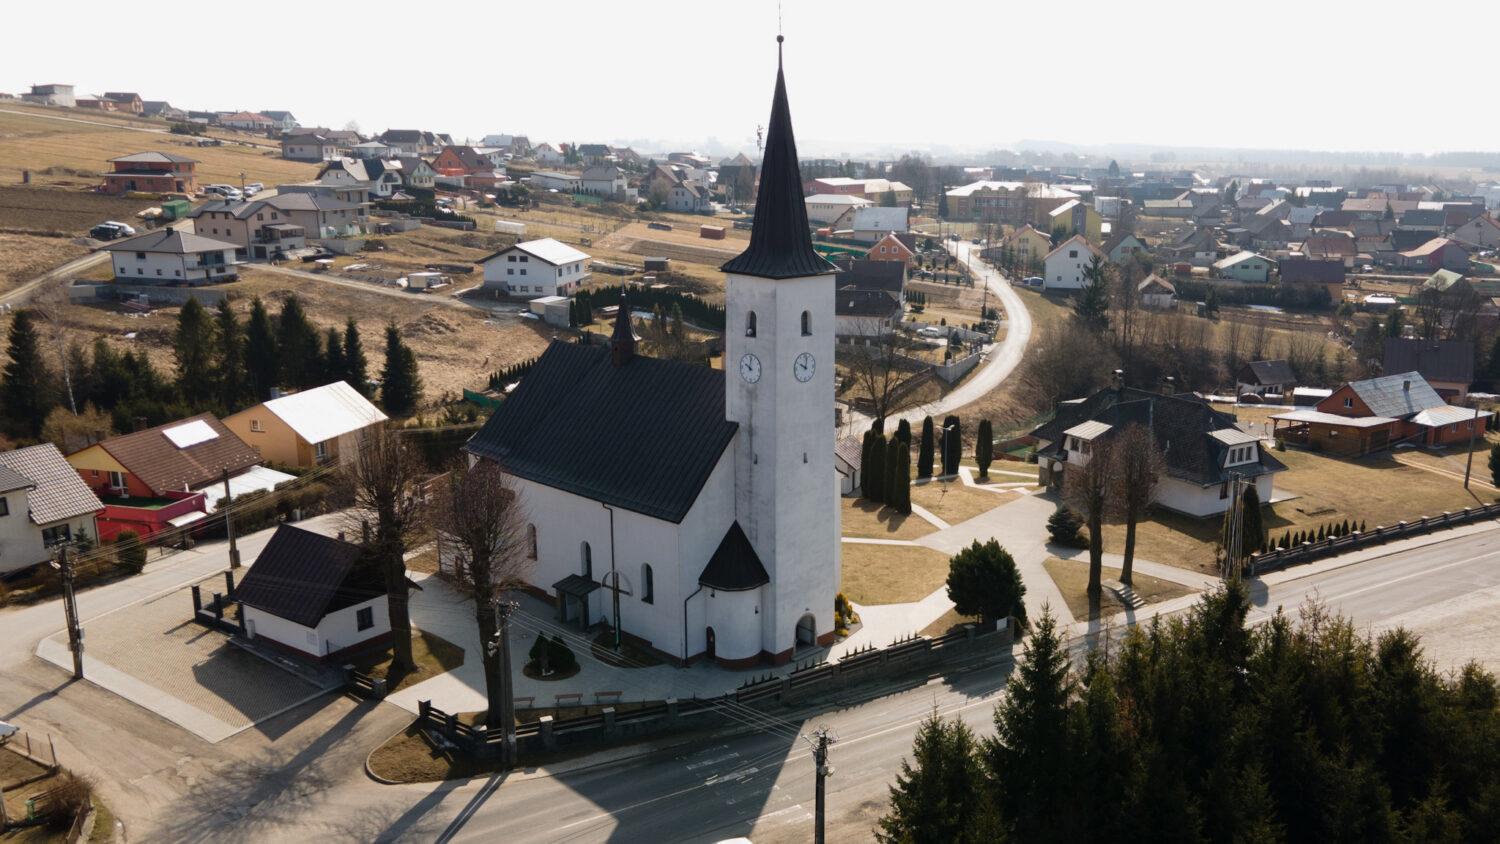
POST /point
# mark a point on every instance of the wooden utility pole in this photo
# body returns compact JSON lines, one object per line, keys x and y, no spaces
{"x":820,"y":742}
{"x":1473,"y":431}
{"x":234,"y":552}
{"x":70,"y":610}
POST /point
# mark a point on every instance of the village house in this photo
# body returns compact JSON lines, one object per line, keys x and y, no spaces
{"x":1202,"y":450}
{"x":547,"y":155}
{"x":551,"y":180}
{"x":1076,"y":217}
{"x":1265,"y":380}
{"x":1363,"y":417}
{"x":414,"y":141}
{"x":1029,"y":245}
{"x":379,"y":177}
{"x":126,"y":102}
{"x":52,"y":94}
{"x":592,"y":154}
{"x":894,"y":247}
{"x":1482,"y":232}
{"x":536,"y":268}
{"x":864,"y":274}
{"x":1157,"y":293}
{"x":1446,"y":365}
{"x":689,"y":197}
{"x":162,"y":477}
{"x":1246,"y":266}
{"x":151,"y":172}
{"x":323,"y":211}
{"x":416,"y":172}
{"x":462,"y":161}
{"x":248,"y":121}
{"x":258,"y":229}
{"x":304,"y":147}
{"x":372,"y":149}
{"x":311,"y":428}
{"x":604,"y":180}
{"x":168,"y":256}
{"x":163,"y":110}
{"x":1121,"y":247}
{"x":872,"y":223}
{"x":835,"y":210}
{"x":43,"y":503}
{"x":1439,"y":253}
{"x":282,"y":121}
{"x":1327,"y":273}
{"x":311,"y":596}
{"x":1065,"y":265}
{"x":864,"y":314}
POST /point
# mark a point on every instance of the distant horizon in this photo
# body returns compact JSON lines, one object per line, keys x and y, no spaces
{"x":958,"y":85}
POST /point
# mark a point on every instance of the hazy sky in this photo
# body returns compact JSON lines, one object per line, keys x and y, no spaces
{"x":938,"y":74}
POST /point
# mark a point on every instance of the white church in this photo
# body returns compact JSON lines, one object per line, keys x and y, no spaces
{"x":708,"y":498}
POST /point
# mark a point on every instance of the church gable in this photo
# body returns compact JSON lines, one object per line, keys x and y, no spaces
{"x":644,"y":436}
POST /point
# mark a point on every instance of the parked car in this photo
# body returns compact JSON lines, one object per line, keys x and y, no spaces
{"x":1033,"y":281}
{"x":929,"y":331}
{"x":251,"y":190}
{"x":109,"y":230}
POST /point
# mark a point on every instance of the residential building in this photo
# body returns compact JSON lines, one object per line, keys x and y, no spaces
{"x":593,"y":154}
{"x":311,"y":596}
{"x":151,"y":172}
{"x":168,"y":256}
{"x":163,"y":110}
{"x":1029,"y":245}
{"x":311,"y":428}
{"x":414,"y":141}
{"x":707,"y":497}
{"x":536,"y":268}
{"x":1482,"y":232}
{"x":864,"y":274}
{"x":875,"y":190}
{"x":416,"y":172}
{"x":552,"y":180}
{"x":43,"y":503}
{"x":1373,"y":415}
{"x":547,"y":155}
{"x":834,"y":209}
{"x":1249,"y":267}
{"x":1327,"y":273}
{"x":893,"y":248}
{"x":323,"y":211}
{"x":865,"y":313}
{"x":153,"y":480}
{"x":1268,"y":380}
{"x":127,"y":102}
{"x":248,"y":121}
{"x":379,"y":177}
{"x":1157,"y":293}
{"x":372,"y":149}
{"x":1446,"y":365}
{"x":1076,"y":217}
{"x":282,"y":121}
{"x":689,"y":197}
{"x":462,"y":161}
{"x":1121,"y":247}
{"x":1202,"y":449}
{"x":304,"y":147}
{"x":258,"y":230}
{"x":1439,"y":253}
{"x":1065,"y":265}
{"x":872,"y":223}
{"x":604,"y":180}
{"x":53,"y":94}
{"x":1011,"y":203}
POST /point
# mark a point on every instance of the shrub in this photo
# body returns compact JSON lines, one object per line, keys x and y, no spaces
{"x":132,"y":551}
{"x":1063,"y":526}
{"x":538,"y":655}
{"x":983,"y":580}
{"x":560,"y":656}
{"x":70,"y":794}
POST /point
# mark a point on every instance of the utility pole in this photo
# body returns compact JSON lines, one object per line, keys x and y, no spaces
{"x":501,"y":643}
{"x":70,"y":609}
{"x":820,"y":742}
{"x":234,"y":552}
{"x":1473,"y":430}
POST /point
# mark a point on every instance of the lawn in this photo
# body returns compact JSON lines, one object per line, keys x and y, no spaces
{"x":947,"y":623}
{"x":891,"y":574}
{"x":954,"y":502}
{"x":433,"y":654}
{"x":1072,"y":579}
{"x":1375,"y":490}
{"x":868,"y":520}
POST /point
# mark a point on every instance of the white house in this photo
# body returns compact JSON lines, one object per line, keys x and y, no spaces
{"x":547,"y":154}
{"x":872,"y":223}
{"x":43,"y":502}
{"x":544,"y":267}
{"x":308,"y":595}
{"x":308,"y":147}
{"x":1245,"y":266}
{"x":688,"y":197}
{"x":1156,"y":292}
{"x":826,"y":209}
{"x":705,"y":500}
{"x":561,"y":182}
{"x":167,"y":256}
{"x":604,"y":180}
{"x":1064,"y":265}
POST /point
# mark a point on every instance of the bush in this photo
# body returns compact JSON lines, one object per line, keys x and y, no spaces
{"x":69,"y":795}
{"x":560,"y":656}
{"x":983,"y":580}
{"x":1064,"y":527}
{"x":132,"y":551}
{"x":538,"y":655}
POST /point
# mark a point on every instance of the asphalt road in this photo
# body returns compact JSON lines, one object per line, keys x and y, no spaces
{"x":761,"y":785}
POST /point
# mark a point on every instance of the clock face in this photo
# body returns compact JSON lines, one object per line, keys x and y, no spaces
{"x":750,"y":368}
{"x":804,"y":366}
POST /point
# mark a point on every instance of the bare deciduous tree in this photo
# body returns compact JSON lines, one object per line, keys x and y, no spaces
{"x":1138,"y":464}
{"x":479,"y":517}
{"x":1087,"y":490}
{"x":385,"y":480}
{"x":880,"y":366}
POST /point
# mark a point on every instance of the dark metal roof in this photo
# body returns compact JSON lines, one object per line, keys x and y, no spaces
{"x":1312,"y":271}
{"x":302,"y":576}
{"x":643,"y":436}
{"x":853,"y":302}
{"x":1267,"y":373}
{"x":734,"y":567}
{"x":780,"y":244}
{"x":577,"y":585}
{"x":1437,"y":360}
{"x":1182,"y":426}
{"x":866,"y":274}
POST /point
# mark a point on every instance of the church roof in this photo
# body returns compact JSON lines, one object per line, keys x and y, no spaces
{"x":734,"y":567}
{"x":643,"y":436}
{"x":780,"y":244}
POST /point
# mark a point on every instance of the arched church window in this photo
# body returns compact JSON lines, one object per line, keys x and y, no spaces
{"x":750,"y":324}
{"x":587,"y":555}
{"x":806,"y":323}
{"x":648,"y":584}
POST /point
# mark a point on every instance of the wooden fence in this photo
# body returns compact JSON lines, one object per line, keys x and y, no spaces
{"x":1333,"y":545}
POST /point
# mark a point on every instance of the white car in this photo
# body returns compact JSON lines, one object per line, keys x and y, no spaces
{"x":929,"y":332}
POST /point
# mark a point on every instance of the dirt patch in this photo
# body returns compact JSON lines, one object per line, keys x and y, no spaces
{"x":24,"y":257}
{"x":67,"y":211}
{"x":1072,"y":579}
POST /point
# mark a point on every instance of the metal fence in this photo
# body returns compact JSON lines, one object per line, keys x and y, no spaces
{"x":1307,"y":552}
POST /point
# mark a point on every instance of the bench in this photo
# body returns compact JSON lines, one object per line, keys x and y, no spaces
{"x":614,"y":696}
{"x":525,"y":702}
{"x":575,"y":698}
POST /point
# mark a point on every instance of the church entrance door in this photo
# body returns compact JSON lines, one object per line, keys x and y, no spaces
{"x":807,"y":631}
{"x":708,"y":647}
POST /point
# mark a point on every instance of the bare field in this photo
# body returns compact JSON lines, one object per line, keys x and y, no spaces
{"x":59,"y":210}
{"x":24,"y":257}
{"x":455,"y":347}
{"x":60,"y":150}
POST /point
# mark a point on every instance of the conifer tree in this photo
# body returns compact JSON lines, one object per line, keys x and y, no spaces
{"x":401,"y":386}
{"x":866,"y":462}
{"x":262,"y":358}
{"x":356,"y":369}
{"x":1027,"y":759}
{"x":193,"y":344}
{"x":1252,"y":524}
{"x":952,"y":445}
{"x":875,"y":469}
{"x":333,"y":357}
{"x":984,"y":448}
{"x":300,"y":346}
{"x":229,"y":358}
{"x":903,"y":479}
{"x":924,"y":453}
{"x":935,"y":798}
{"x":27,"y":385}
{"x":892,"y":494}
{"x":903,"y":432}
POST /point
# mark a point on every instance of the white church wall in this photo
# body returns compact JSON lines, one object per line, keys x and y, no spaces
{"x":699,"y":536}
{"x":736,"y":623}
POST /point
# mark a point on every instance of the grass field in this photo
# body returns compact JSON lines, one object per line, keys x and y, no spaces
{"x":953,"y":502}
{"x":66,"y":152}
{"x":891,"y":574}
{"x":867,"y":520}
{"x":23,"y":257}
{"x":1072,"y":579}
{"x":62,"y":211}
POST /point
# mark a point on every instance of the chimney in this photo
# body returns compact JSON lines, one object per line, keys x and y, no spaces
{"x":1406,"y":386}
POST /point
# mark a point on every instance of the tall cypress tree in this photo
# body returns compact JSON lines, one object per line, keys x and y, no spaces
{"x":229,"y":359}
{"x":903,"y":480}
{"x":27,"y":385}
{"x":924,"y":453}
{"x":984,"y":448}
{"x":401,"y":386}
{"x":193,"y":344}
{"x":892,"y":471}
{"x":903,"y":431}
{"x":875,"y":469}
{"x":262,"y":357}
{"x":299,"y":344}
{"x":953,"y":443}
{"x":866,"y":461}
{"x":356,"y":368}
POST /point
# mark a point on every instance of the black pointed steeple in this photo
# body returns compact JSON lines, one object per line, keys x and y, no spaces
{"x":622,"y":341}
{"x":780,"y":244}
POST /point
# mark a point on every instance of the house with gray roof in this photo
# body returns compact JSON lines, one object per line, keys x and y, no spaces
{"x":43,"y":503}
{"x":1363,"y":417}
{"x":168,"y":256}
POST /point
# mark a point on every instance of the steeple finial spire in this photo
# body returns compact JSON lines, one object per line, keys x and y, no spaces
{"x":780,"y":243}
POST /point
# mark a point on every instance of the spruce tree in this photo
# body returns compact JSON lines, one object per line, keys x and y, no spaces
{"x":356,"y":369}
{"x":984,"y":448}
{"x":937,"y":797}
{"x":229,"y":358}
{"x":953,"y":443}
{"x":1028,"y":757}
{"x":299,"y":344}
{"x":333,"y":357}
{"x":401,"y":386}
{"x":924,"y":453}
{"x":194,"y":346}
{"x":28,"y":386}
{"x":262,"y":357}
